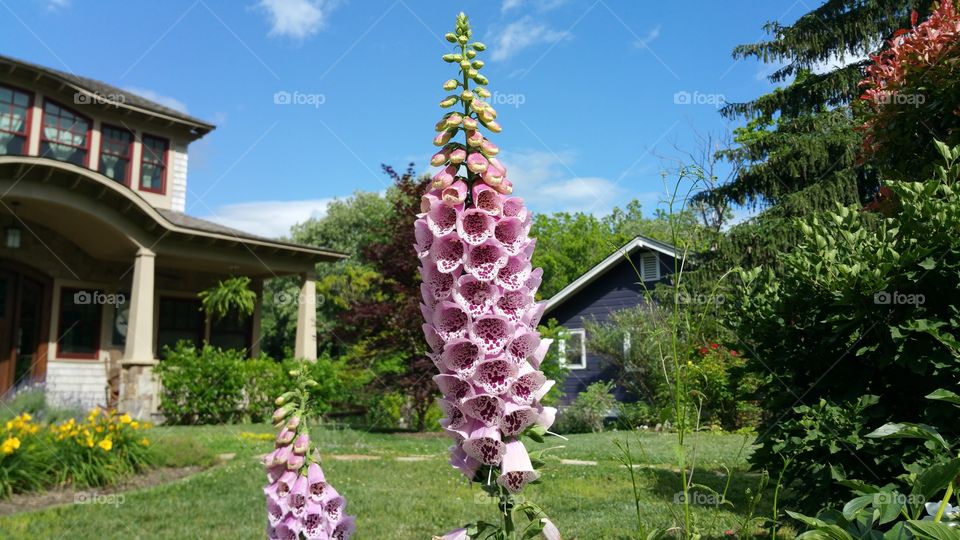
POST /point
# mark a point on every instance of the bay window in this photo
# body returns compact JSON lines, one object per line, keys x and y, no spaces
{"x":66,"y":134}
{"x":14,"y":121}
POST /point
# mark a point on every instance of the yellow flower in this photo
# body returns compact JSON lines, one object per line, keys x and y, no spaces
{"x":9,"y":446}
{"x":145,"y":441}
{"x":9,"y":425}
{"x":99,"y":429}
{"x":125,"y":419}
{"x":26,"y":417}
{"x":134,"y":424}
{"x":105,"y":444}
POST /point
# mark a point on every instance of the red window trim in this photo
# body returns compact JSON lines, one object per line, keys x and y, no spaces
{"x":165,"y":163}
{"x":43,"y":135}
{"x":129,"y":180}
{"x":60,"y":330}
{"x":27,"y":124}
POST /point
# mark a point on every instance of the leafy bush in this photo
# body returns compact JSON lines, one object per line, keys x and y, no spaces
{"x":867,"y":304}
{"x":96,"y":451}
{"x":588,"y":411}
{"x":214,"y":386}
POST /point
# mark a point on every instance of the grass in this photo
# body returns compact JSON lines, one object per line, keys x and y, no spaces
{"x":400,"y":499}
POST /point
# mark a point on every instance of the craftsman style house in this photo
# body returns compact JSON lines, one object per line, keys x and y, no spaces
{"x":613,"y":284}
{"x":99,"y":266}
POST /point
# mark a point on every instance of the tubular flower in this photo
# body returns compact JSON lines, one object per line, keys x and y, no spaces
{"x":300,"y":502}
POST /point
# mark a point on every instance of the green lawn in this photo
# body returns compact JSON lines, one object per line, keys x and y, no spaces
{"x":405,"y":499}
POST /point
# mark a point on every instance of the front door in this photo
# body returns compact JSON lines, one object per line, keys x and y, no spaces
{"x":23,"y":322}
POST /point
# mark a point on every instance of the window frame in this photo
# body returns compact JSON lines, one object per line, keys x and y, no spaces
{"x":583,"y":349}
{"x":644,"y":257}
{"x":27,"y":123}
{"x":129,"y":169}
{"x":95,"y":355}
{"x":43,"y":132}
{"x":164,"y":163}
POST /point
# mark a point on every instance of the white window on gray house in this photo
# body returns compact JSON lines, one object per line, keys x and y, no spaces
{"x":573,"y":349}
{"x":650,"y":267}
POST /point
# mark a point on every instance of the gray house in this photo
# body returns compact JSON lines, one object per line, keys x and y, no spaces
{"x":613,"y":284}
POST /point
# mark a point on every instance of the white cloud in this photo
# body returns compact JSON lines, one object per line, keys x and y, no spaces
{"x":297,"y":19}
{"x":166,"y":101}
{"x":544,"y":180}
{"x":521,"y":34}
{"x":271,"y":219}
{"x":54,"y":5}
{"x":539,"y":5}
{"x":838,"y":61}
{"x":646,"y":40}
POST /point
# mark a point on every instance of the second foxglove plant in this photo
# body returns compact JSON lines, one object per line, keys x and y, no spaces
{"x":478,"y":304}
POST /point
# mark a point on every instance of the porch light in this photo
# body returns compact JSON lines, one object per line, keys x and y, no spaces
{"x":13,"y":237}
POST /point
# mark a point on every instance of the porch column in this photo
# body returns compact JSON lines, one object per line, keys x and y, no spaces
{"x":306,"y":343}
{"x":139,"y":345}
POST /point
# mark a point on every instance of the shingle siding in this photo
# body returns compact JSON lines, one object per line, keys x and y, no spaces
{"x":618,"y":288}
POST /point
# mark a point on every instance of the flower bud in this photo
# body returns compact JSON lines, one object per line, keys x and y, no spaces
{"x":449,"y":102}
{"x":492,"y":126}
{"x":474,"y":139}
{"x":285,"y":397}
{"x":463,"y":40}
{"x":505,"y":187}
{"x":458,"y":156}
{"x":500,"y":166}
{"x":477,"y":64}
{"x":477,"y":163}
{"x":469,"y":123}
{"x":450,"y":84}
{"x":281,"y":413}
{"x":472,"y":73}
{"x":441,"y":125}
{"x":465,"y":64}
{"x":489,"y":149}
{"x":439,"y":158}
{"x":466,"y":95}
{"x":480,"y":79}
{"x":294,"y":372}
{"x":443,"y":137}
{"x":455,"y":193}
{"x":453,"y":120}
{"x":486,"y":116}
{"x":483,"y":92}
{"x":451,"y":58}
{"x":293,"y":423}
{"x":471,"y":53}
{"x":479,"y":46}
{"x":302,"y":444}
{"x":451,"y":37}
{"x":285,"y":436}
{"x":445,"y":177}
{"x":294,"y":462}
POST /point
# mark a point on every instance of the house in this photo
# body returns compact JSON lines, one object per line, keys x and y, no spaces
{"x":611,"y":285}
{"x":99,"y":266}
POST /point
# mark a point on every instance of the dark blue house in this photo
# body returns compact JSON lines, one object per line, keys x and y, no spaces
{"x":611,"y":285}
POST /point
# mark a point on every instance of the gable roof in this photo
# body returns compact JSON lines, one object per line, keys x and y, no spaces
{"x":108,"y":95}
{"x":601,"y":268}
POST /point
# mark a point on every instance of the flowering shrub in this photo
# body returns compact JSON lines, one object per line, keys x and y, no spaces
{"x":912,"y":90}
{"x":97,"y":451}
{"x":300,"y":501}
{"x":478,"y":302}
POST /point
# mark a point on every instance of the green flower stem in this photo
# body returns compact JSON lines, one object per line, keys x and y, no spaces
{"x":466,"y":112}
{"x":943,"y":503}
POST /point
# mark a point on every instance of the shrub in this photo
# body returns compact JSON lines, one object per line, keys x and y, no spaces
{"x":588,"y":410}
{"x":866,"y":305}
{"x":25,"y":462}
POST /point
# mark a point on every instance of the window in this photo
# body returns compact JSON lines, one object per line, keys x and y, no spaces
{"x":79,"y":333}
{"x":65,"y":134}
{"x":153,"y":164}
{"x":232,"y":331}
{"x":14,"y":121}
{"x":650,"y":267}
{"x":180,"y":319}
{"x":573,"y":349}
{"x":116,"y":146}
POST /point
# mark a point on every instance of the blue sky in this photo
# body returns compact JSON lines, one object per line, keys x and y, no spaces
{"x":587,"y":90}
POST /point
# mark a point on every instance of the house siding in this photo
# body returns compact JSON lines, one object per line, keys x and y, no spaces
{"x":618,"y":288}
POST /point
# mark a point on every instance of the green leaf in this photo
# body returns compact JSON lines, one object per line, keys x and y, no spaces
{"x":854,"y":506}
{"x":928,"y":263}
{"x":905,"y":430}
{"x":935,"y":478}
{"x":897,"y":532}
{"x":944,"y":395}
{"x":929,"y":530}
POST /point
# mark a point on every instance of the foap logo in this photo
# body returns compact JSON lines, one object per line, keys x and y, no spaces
{"x":109,"y":499}
{"x":480,"y":497}
{"x":697,"y":498}
{"x":897,"y":98}
{"x":900,"y":499}
{"x":896,"y":298}
{"x":295,"y":297}
{"x":85,"y":298}
{"x":98,"y":98}
{"x":698,"y":98}
{"x":513,"y":100}
{"x":700,"y":299}
{"x":299,"y":98}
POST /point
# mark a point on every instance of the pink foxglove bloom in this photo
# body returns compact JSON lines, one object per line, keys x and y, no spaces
{"x":480,"y":316}
{"x":300,"y":502}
